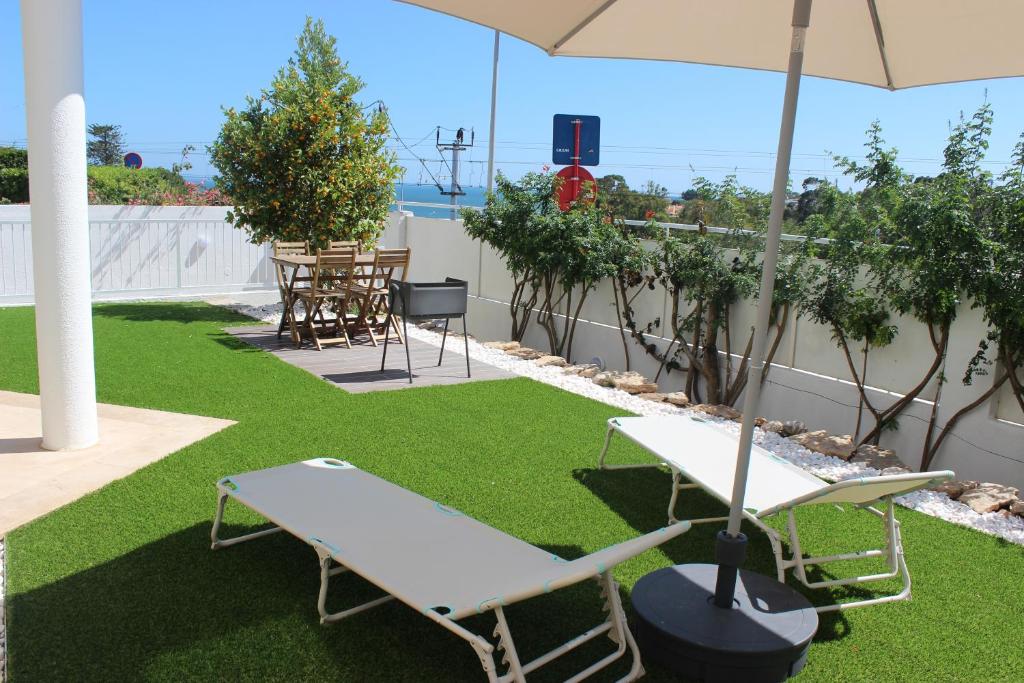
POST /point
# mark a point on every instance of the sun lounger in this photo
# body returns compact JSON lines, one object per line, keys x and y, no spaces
{"x":706,"y":456}
{"x":433,"y":558}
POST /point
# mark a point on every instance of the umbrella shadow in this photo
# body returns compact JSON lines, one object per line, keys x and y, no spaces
{"x":249,"y":612}
{"x":640,"y":497}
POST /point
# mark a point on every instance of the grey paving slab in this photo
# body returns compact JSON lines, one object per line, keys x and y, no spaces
{"x":357,"y":370}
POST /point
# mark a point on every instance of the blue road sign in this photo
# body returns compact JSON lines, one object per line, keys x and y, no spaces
{"x":563,"y":139}
{"x":133,"y":160}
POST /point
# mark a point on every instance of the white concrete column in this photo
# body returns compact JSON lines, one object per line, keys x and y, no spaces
{"x":51,"y":32}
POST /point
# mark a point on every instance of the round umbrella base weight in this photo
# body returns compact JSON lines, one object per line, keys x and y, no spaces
{"x":763,"y":638}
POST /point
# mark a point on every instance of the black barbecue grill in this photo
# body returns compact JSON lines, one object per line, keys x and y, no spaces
{"x":419,"y":301}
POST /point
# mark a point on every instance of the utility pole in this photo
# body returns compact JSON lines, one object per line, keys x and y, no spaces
{"x":456,"y":147}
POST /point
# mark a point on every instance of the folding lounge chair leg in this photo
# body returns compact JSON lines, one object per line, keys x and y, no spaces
{"x":511,"y":658}
{"x":216,"y":542}
{"x":620,"y":632}
{"x":465,"y":336}
{"x":326,"y":572}
{"x":444,"y":338}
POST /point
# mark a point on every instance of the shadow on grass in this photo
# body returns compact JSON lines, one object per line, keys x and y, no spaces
{"x":640,"y":497}
{"x":174,"y":609}
{"x":179,"y":311}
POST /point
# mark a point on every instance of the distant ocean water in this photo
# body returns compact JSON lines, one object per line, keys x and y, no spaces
{"x":429,"y":194}
{"x":409,"y":192}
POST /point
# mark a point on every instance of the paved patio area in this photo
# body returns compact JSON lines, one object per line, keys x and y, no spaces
{"x":357,"y":370}
{"x":34,"y":482}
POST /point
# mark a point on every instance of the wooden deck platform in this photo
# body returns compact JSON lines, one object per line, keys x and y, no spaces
{"x":357,"y":370}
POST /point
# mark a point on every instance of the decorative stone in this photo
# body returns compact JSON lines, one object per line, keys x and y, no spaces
{"x":722,"y":411}
{"x":759,"y":421}
{"x":653,"y":396}
{"x":551,"y":361}
{"x":822,"y":442}
{"x":772,"y":426}
{"x":605,"y":379}
{"x":792,"y":428}
{"x":502,"y":345}
{"x":577,"y":369}
{"x":634,"y":383}
{"x":678,"y":398}
{"x":1017,"y":508}
{"x":526,"y":353}
{"x":879,"y":458}
{"x":953,"y":489}
{"x":589,"y":371}
{"x":989,"y":497}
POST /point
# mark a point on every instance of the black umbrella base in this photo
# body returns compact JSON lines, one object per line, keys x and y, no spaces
{"x":764,"y":638}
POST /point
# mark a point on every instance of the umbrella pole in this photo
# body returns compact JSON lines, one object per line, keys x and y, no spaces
{"x":730,"y":549}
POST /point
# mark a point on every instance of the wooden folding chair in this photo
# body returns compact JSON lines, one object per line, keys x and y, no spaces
{"x":288,"y":302}
{"x":370,"y":289}
{"x":335,"y":245}
{"x":331,"y":284}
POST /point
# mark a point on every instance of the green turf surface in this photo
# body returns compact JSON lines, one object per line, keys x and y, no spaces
{"x":121,"y":585}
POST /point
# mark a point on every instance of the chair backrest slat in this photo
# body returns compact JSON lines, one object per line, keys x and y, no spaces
{"x":287,"y":249}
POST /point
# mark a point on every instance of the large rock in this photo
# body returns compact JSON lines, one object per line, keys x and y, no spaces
{"x":579,"y":369}
{"x":879,"y":458}
{"x":955,"y":489}
{"x":502,"y":345}
{"x":792,"y":428}
{"x":678,"y":398}
{"x":526,"y":353}
{"x":605,"y":379}
{"x":772,"y":426}
{"x":722,"y":411}
{"x":634,"y":383}
{"x":589,"y":371}
{"x":653,"y":396}
{"x":551,"y":361}
{"x":826,"y":444}
{"x":1017,"y":508}
{"x":989,"y":497}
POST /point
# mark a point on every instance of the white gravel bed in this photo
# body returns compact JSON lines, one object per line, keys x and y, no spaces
{"x":831,"y":469}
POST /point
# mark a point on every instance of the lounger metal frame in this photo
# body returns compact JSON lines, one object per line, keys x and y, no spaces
{"x":891,"y":552}
{"x":614,"y":625}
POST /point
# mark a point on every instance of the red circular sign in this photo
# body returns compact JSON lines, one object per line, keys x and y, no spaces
{"x":577,"y":186}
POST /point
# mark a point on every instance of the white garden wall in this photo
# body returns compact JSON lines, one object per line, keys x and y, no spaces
{"x":809,"y":381}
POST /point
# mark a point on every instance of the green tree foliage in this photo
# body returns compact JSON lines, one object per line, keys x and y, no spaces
{"x":556,"y":258}
{"x":13,"y":175}
{"x":727,"y":205}
{"x":623,"y":203}
{"x":106,"y":148}
{"x":303,"y":161}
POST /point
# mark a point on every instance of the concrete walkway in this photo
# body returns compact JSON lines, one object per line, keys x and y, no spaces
{"x":34,"y":482}
{"x":357,"y":370}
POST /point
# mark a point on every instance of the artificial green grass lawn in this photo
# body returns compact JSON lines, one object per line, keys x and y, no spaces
{"x":121,"y":585}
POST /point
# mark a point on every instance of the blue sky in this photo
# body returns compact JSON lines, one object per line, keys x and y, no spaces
{"x":163,"y":70}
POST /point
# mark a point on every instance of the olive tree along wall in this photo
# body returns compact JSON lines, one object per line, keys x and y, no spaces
{"x":809,"y":380}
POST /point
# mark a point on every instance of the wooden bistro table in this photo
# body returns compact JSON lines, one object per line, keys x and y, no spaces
{"x":296,"y":263}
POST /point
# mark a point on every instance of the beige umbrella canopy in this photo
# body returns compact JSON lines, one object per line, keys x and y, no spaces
{"x":886,"y":43}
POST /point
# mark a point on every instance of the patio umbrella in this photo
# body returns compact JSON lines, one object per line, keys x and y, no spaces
{"x":885,"y":43}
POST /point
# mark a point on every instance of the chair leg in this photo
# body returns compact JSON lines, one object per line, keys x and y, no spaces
{"x":311,"y":314}
{"x":465,"y":336}
{"x":444,"y":338}
{"x":284,"y":321}
{"x":408,"y":360}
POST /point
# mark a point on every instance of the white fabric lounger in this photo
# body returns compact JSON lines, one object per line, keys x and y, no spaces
{"x":433,"y":558}
{"x":706,"y":455}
